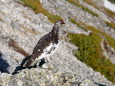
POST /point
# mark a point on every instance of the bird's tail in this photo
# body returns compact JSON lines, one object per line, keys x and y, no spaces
{"x":26,"y":62}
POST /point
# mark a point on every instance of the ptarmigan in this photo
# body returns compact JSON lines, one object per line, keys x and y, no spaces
{"x":45,"y":47}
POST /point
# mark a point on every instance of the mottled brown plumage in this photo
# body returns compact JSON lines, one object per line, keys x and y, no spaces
{"x":43,"y":43}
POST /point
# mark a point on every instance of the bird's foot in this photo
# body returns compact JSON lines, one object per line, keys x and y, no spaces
{"x":47,"y":59}
{"x":42,"y":63}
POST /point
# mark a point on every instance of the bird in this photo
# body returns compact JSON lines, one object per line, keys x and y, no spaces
{"x":45,"y":47}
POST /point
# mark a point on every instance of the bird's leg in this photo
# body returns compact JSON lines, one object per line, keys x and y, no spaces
{"x":42,"y":63}
{"x":47,"y":59}
{"x":37,"y":65}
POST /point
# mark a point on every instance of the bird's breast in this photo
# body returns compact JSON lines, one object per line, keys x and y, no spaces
{"x":49,"y":50}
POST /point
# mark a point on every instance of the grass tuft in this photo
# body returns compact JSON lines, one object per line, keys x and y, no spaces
{"x":90,"y":53}
{"x":77,"y":23}
{"x":112,"y":25}
{"x":105,"y":10}
{"x":38,"y":8}
{"x":110,"y":40}
{"x":109,"y":12}
{"x":90,"y":3}
{"x":113,"y":1}
{"x":76,"y":3}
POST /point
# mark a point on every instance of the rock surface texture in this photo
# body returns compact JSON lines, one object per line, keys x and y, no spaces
{"x":20,"y":24}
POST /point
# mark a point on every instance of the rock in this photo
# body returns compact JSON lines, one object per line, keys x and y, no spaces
{"x":4,"y":79}
{"x":87,"y":83}
{"x":15,"y":25}
{"x":41,"y":77}
{"x":61,"y":6}
{"x":21,"y":24}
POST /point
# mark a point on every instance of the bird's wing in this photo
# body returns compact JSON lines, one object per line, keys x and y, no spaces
{"x":38,"y":50}
{"x":41,"y":45}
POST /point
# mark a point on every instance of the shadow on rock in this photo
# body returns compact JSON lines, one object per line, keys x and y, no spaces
{"x":25,"y":60}
{"x":42,"y":62}
{"x":19,"y":68}
{"x":28,"y":57}
{"x":100,"y":84}
{"x":3,"y":65}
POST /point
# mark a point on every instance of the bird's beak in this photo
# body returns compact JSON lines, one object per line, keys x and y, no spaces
{"x":62,"y":22}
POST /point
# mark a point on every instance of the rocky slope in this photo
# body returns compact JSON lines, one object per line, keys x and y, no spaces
{"x":21,"y":28}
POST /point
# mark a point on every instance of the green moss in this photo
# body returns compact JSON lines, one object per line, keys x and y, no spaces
{"x":109,"y":12}
{"x":90,"y":3}
{"x":38,"y":8}
{"x":89,"y":48}
{"x":113,"y":1}
{"x":76,"y":3}
{"x":110,"y":40}
{"x":77,"y":23}
{"x":112,"y":25}
{"x":90,"y":53}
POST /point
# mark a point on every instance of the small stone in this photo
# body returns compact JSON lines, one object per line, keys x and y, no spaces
{"x":87,"y":83}
{"x":44,"y":66}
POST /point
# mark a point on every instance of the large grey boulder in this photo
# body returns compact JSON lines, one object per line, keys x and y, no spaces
{"x":21,"y":24}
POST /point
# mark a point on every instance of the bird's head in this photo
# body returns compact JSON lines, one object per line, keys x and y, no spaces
{"x":57,"y":25}
{"x":60,"y":22}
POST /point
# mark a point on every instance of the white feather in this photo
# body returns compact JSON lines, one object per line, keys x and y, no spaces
{"x":51,"y":48}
